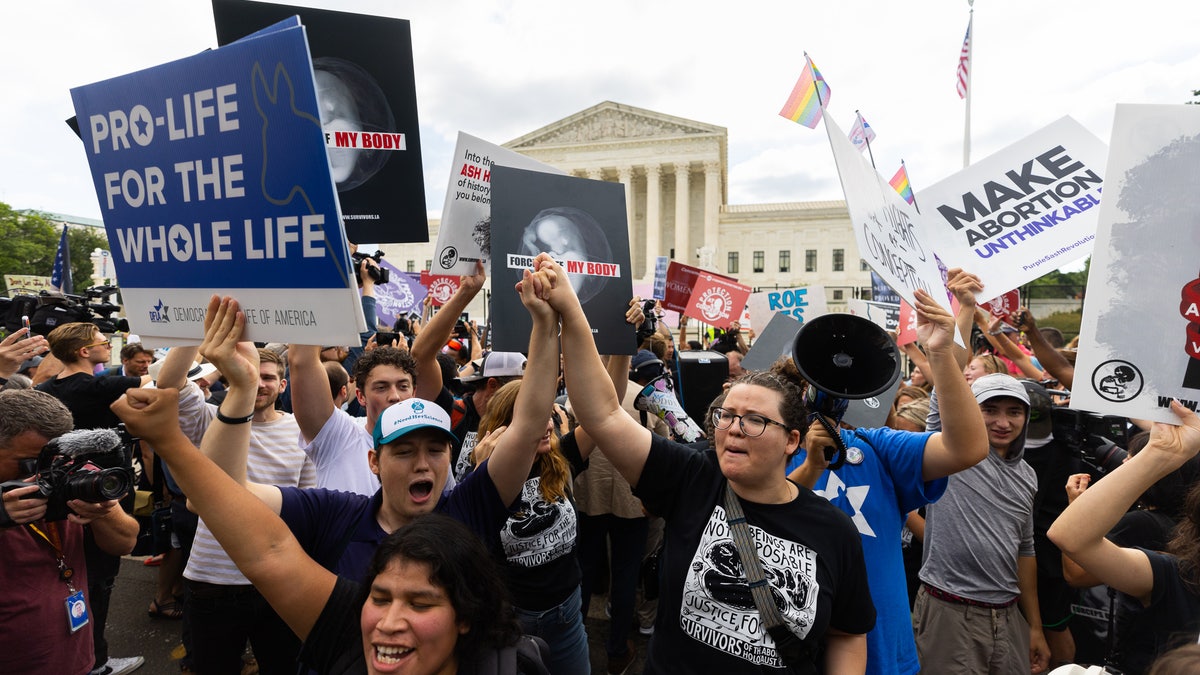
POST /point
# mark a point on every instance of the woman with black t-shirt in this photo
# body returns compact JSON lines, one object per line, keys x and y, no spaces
{"x":809,"y":550}
{"x":1166,"y":584}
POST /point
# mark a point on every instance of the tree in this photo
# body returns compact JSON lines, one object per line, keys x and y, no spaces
{"x":31,"y":242}
{"x":1058,"y":284}
{"x":81,"y":243}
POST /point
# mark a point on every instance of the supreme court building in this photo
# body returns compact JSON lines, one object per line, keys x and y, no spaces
{"x":676,"y":177}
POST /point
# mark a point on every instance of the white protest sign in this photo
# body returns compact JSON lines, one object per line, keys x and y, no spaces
{"x":804,"y":302}
{"x":1021,"y":212}
{"x":466,"y":230}
{"x":1140,"y":335}
{"x":886,"y":227}
{"x":882,"y":314}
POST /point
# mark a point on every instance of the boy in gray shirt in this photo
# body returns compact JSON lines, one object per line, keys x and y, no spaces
{"x":978,"y":574}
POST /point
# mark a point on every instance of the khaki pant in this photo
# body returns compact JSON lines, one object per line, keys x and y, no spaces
{"x":956,"y":639}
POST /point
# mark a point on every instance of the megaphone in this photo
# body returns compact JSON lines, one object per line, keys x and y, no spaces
{"x":659,"y":400}
{"x":843,"y":357}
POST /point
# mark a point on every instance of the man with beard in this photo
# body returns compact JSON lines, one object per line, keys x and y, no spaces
{"x":223,"y":609}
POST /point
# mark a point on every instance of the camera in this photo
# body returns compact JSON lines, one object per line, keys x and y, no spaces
{"x":1098,"y":440}
{"x":380,"y":274}
{"x":92,"y":465}
{"x":650,"y":325}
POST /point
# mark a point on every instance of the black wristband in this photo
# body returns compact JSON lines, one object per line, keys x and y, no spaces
{"x":233,"y":420}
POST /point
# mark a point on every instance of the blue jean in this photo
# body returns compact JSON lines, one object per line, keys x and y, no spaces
{"x":562,"y":629}
{"x":628,"y":545}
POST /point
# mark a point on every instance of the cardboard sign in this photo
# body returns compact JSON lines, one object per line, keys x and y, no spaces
{"x":888,"y":230}
{"x":677,"y":294}
{"x":1021,"y":212}
{"x":27,"y":284}
{"x":799,"y":303}
{"x":365,"y":82}
{"x":212,"y":177}
{"x":881,"y":292}
{"x":660,"y":277}
{"x":1140,"y":334}
{"x":439,"y":287}
{"x":581,"y":223}
{"x":465,"y":234}
{"x":403,"y":294}
{"x":774,"y":342}
{"x":882,"y":314}
{"x":907,"y":325}
{"x":716,"y":301}
{"x":1004,"y":306}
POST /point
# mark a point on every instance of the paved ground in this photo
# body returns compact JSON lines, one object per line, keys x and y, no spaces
{"x":131,"y":631}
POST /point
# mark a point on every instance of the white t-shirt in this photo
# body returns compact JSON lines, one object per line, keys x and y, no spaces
{"x":274,"y":458}
{"x":339,"y":453}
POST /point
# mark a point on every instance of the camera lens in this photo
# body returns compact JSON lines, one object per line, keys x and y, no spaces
{"x":98,"y":486}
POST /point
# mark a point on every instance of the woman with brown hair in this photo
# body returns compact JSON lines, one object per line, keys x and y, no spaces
{"x":1166,"y":584}
{"x":539,"y":540}
{"x":808,"y":549}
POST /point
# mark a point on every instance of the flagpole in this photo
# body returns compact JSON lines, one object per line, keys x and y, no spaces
{"x":866,"y":138}
{"x":816,"y":84}
{"x":970,"y":71}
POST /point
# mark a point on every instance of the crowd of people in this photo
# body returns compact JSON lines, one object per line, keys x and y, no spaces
{"x":430,"y":507}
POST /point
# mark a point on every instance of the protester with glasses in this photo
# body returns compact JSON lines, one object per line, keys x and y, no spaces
{"x":809,"y":550}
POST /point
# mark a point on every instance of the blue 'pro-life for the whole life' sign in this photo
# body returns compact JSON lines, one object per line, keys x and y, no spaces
{"x":212,"y":177}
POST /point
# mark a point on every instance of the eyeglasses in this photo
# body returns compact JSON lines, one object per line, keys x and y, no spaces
{"x":106,"y":343}
{"x":751,"y":424}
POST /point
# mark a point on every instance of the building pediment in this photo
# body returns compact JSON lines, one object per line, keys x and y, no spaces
{"x":610,"y":121}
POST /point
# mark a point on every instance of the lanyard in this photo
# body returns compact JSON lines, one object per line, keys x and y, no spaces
{"x":55,"y":542}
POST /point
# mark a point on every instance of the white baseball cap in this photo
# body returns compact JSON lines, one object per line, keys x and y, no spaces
{"x":409,"y":415}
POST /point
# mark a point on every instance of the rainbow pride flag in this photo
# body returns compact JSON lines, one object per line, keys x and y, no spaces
{"x":809,"y":96}
{"x":900,"y":184}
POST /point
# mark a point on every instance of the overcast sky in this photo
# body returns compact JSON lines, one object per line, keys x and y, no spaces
{"x":500,"y":69}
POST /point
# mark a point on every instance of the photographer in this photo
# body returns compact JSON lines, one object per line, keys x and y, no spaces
{"x":81,"y":347}
{"x":36,"y":556}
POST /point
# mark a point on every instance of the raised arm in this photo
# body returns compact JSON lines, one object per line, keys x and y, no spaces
{"x":312,"y":403}
{"x":1012,"y":350}
{"x":962,"y":442}
{"x":626,"y":443}
{"x":228,"y":445}
{"x":513,"y":457}
{"x":252,"y":535}
{"x":436,"y":332}
{"x":1052,"y":361}
{"x":175,"y":367}
{"x":1080,"y":530}
{"x":964,"y":286}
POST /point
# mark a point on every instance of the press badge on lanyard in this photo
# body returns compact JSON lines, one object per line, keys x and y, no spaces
{"x":77,"y":611}
{"x":76,"y":605}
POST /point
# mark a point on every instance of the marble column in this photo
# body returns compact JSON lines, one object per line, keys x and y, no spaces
{"x":653,"y":215}
{"x":625,"y":176}
{"x":683,"y":251}
{"x":712,"y":204}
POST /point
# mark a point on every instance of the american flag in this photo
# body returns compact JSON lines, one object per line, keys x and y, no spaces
{"x":61,"y":277}
{"x":964,"y":62}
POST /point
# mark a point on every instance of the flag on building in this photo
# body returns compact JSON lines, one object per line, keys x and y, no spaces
{"x":899,"y":183}
{"x":60,"y":279}
{"x":964,"y":62}
{"x":809,"y":96}
{"x":861,"y":133}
